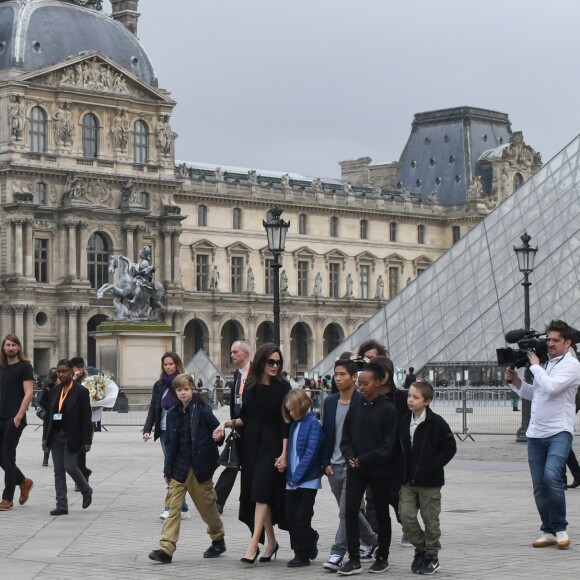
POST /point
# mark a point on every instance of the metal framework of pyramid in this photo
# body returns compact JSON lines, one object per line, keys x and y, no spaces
{"x":460,"y":308}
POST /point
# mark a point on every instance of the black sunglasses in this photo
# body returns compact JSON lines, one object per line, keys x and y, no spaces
{"x":272,"y":362}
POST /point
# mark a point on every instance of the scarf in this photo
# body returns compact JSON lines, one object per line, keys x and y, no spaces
{"x":169,"y":399}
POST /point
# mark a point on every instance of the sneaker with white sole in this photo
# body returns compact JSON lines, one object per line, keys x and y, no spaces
{"x":562,"y":540}
{"x":164,"y":515}
{"x":333,"y":563}
{"x":368,"y":552}
{"x":545,"y":540}
{"x":405,"y":542}
{"x":351,"y":568}
{"x":430,"y":566}
{"x":380,"y":565}
{"x":185,"y":515}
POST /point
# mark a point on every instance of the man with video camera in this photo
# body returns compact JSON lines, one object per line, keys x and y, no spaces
{"x":551,"y":427}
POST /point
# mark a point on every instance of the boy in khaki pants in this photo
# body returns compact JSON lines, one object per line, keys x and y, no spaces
{"x":190,"y":426}
{"x":428,"y":445}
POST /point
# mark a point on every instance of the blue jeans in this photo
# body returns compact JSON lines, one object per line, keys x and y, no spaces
{"x":184,"y":507}
{"x":547,"y":460}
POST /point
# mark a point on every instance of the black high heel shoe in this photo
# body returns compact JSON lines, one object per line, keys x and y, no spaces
{"x":252,"y":561}
{"x":274,"y":555}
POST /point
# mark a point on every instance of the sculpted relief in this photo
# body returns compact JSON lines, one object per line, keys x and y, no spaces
{"x":94,"y":191}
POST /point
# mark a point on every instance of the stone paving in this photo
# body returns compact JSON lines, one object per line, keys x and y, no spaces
{"x":489,"y":521}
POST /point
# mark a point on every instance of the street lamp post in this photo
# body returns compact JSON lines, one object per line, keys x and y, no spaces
{"x":276,"y":229}
{"x":526,"y":255}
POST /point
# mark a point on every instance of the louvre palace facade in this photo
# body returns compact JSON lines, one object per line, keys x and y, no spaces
{"x":88,"y":170}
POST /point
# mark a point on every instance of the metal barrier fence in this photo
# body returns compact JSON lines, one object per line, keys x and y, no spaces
{"x":468,"y":410}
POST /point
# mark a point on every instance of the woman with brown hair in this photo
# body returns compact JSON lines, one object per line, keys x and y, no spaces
{"x":264,"y":450}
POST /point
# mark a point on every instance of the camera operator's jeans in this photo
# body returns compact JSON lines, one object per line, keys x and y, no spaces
{"x":547,"y":460}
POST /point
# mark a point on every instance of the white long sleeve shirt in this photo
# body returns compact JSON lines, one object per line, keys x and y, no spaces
{"x":552,"y":393}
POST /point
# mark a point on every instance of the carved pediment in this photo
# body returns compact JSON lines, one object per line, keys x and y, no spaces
{"x":94,"y":72}
{"x":87,"y":191}
{"x":203,"y":247}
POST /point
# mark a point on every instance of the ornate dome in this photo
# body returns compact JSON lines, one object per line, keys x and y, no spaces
{"x":37,"y":33}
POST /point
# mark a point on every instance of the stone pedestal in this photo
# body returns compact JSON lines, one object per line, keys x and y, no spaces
{"x":131,"y":352}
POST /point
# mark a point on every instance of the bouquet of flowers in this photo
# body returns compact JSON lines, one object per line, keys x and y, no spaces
{"x":102,"y":390}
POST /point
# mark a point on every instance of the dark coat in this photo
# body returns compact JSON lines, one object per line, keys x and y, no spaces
{"x":77,"y":413}
{"x":308,"y":447}
{"x":433,"y":447}
{"x":264,"y":430}
{"x":398,"y":398}
{"x":204,"y":450}
{"x":153,"y":420}
{"x":329,"y":425}
{"x":233,"y":414}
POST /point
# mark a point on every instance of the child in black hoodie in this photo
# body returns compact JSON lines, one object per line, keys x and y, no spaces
{"x":368,"y":441}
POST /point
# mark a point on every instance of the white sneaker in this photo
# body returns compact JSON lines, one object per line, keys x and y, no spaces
{"x":185,"y":515}
{"x":164,"y":515}
{"x":333,"y":563}
{"x":547,"y":540}
{"x":562,"y":540}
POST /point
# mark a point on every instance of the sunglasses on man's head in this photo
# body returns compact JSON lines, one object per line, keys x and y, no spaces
{"x":272,"y":362}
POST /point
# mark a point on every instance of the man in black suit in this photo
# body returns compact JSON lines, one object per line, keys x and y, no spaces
{"x":410,"y":378}
{"x":240,"y":355}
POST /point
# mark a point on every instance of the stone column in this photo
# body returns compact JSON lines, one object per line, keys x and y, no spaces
{"x":285,"y":343}
{"x":18,"y":310}
{"x":9,"y":248}
{"x":72,"y":331}
{"x":215,"y":339}
{"x":315,"y":351}
{"x":82,"y":331}
{"x":83,"y":241}
{"x":18,"y":224}
{"x":129,"y":242}
{"x":28,"y":249}
{"x":62,"y":326}
{"x":28,"y":342}
{"x":251,"y":338}
{"x":176,"y":260}
{"x":72,"y":251}
{"x":60,"y":265}
{"x":167,"y":257}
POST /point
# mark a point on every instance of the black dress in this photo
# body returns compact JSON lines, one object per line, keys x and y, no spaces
{"x":264,"y":430}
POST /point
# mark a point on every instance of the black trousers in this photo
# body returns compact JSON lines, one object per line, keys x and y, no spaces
{"x":225,"y":484}
{"x":9,"y":438}
{"x":356,"y":484}
{"x":573,"y":466}
{"x":371,"y":512}
{"x":299,"y":513}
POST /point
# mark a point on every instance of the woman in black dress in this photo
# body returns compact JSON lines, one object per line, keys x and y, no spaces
{"x":264,"y":449}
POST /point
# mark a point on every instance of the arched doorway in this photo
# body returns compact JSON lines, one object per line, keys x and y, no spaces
{"x":332,"y":337}
{"x":231,"y":331}
{"x":91,"y":342}
{"x":300,"y":355}
{"x":195,"y":337}
{"x":265,"y":333}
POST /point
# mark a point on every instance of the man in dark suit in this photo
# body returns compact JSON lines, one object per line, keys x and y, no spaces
{"x":240,"y":355}
{"x":410,"y":378}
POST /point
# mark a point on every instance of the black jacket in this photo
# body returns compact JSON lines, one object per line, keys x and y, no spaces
{"x":398,"y":398}
{"x":370,"y":435}
{"x":433,"y":447}
{"x":153,"y":420}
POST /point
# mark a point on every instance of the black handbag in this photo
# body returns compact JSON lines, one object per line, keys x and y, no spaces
{"x":40,"y":413}
{"x":230,"y":456}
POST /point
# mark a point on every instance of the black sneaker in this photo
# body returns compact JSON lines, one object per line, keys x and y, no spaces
{"x":379,"y":565}
{"x":298,"y":562}
{"x":217,"y":548}
{"x":417,"y":562}
{"x":430,"y":566}
{"x":160,"y":556}
{"x":351,"y":568}
{"x":87,"y":499}
{"x":314,"y":550}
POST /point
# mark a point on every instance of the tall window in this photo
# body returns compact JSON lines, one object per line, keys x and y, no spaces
{"x":37,"y":130}
{"x":456,"y":232}
{"x":202,"y":272}
{"x":421,"y":234}
{"x":364,"y":229}
{"x":269,"y":277}
{"x":365,"y":274}
{"x":140,"y":143}
{"x":98,"y":260}
{"x":202,"y":215}
{"x":333,"y":280}
{"x":518,"y":180}
{"x":393,"y":231}
{"x":237,"y":273}
{"x":90,"y":136}
{"x":41,"y":259}
{"x":144,"y":198}
{"x":334,"y":227}
{"x":40,"y":193}
{"x":302,"y":222}
{"x":302,"y":278}
{"x":393,"y":281}
{"x":237,"y":219}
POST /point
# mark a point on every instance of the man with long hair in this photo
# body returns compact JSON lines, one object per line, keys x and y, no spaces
{"x":16,"y":389}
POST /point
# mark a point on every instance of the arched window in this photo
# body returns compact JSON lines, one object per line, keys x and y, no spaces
{"x":334,"y":227}
{"x":202,"y":215}
{"x":40,"y":193}
{"x":90,"y":136}
{"x":98,"y":260}
{"x":237,"y":218}
{"x":140,"y":143}
{"x":37,"y":130}
{"x":518,"y":180}
{"x":393,"y":231}
{"x":421,"y":234}
{"x":302,"y":222}
{"x":364,"y":229}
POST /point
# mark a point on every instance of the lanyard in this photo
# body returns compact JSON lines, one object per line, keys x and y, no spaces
{"x":63,"y":396}
{"x":243,"y":381}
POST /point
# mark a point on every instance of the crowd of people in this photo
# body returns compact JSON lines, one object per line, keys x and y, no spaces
{"x":378,"y":447}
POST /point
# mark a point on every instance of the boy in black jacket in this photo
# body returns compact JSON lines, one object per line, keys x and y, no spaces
{"x":190,"y":462}
{"x":428,"y":445}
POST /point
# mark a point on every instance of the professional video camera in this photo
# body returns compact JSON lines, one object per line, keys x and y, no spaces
{"x":526,"y":340}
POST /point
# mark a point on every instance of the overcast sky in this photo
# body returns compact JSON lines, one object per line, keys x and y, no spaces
{"x":299,"y":85}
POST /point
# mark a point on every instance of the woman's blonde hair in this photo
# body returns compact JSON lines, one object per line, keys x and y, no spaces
{"x":297,"y":399}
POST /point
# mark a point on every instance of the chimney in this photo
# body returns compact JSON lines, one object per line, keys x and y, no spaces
{"x":125,"y":12}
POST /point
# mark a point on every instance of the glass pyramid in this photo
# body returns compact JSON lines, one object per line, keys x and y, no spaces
{"x":201,"y":367}
{"x":460,"y":308}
